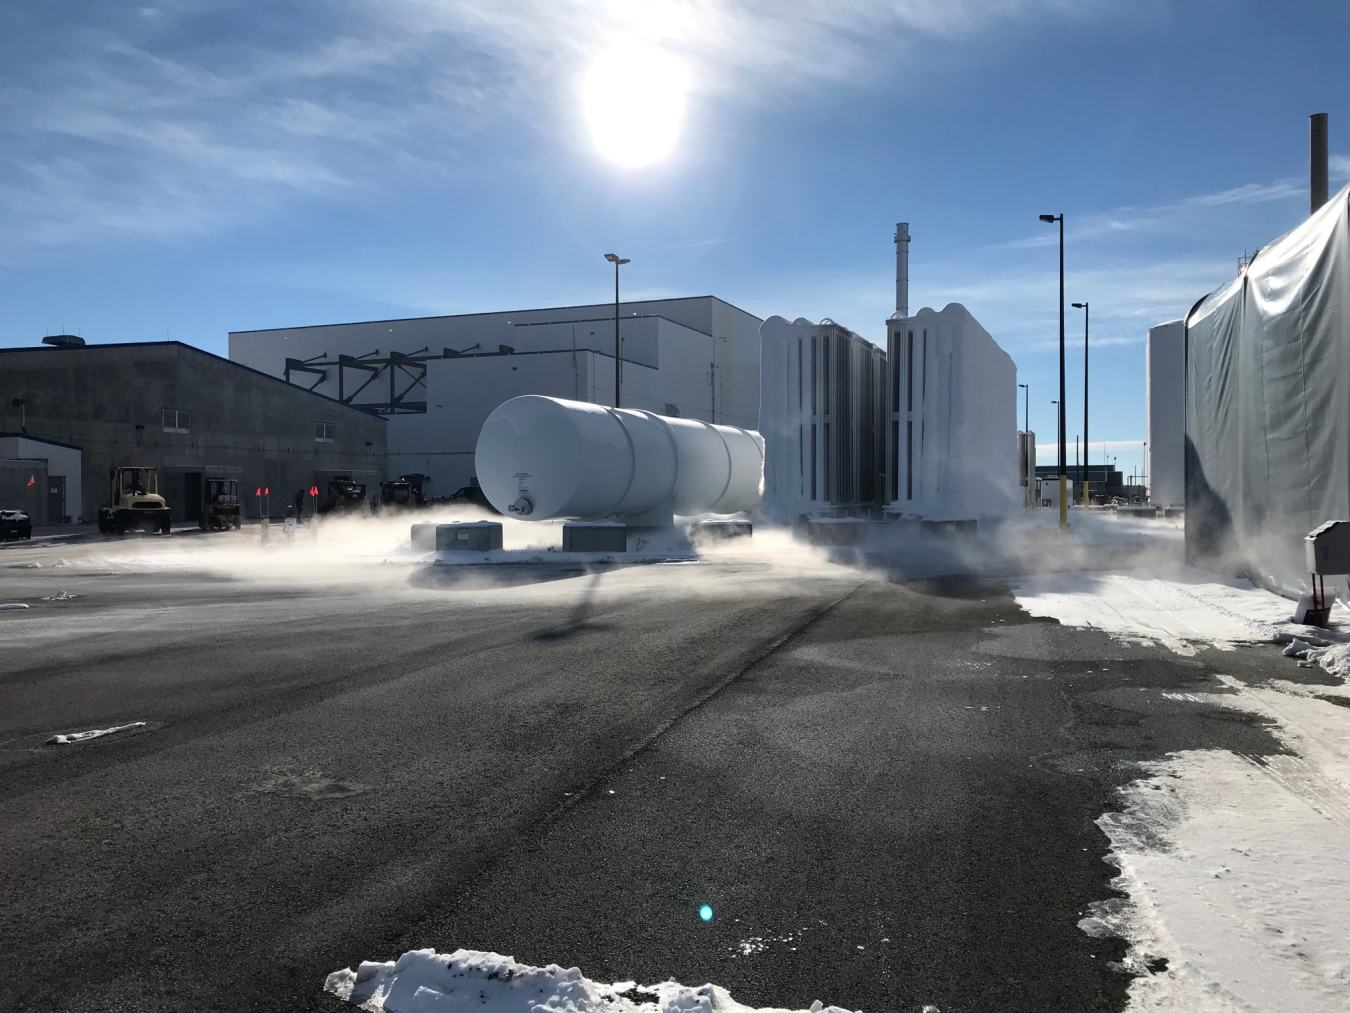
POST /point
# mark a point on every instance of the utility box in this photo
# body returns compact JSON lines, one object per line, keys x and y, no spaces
{"x":469,"y":536}
{"x":1328,"y":548}
{"x":836,"y":530}
{"x":597,"y":536}
{"x":720,"y":531}
{"x":962,"y":526}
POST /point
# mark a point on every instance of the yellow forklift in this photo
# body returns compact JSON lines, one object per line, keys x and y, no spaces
{"x":136,"y":504}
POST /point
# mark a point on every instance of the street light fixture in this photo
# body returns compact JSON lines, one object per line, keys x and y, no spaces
{"x":1087,"y":315}
{"x":616,"y":260}
{"x":1063,"y":449}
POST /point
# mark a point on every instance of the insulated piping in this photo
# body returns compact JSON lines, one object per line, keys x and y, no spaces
{"x":632,"y":458}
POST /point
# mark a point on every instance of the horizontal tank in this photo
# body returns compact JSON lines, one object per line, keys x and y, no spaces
{"x":543,"y":457}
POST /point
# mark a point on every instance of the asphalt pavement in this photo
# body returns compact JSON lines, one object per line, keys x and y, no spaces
{"x":885,"y":789}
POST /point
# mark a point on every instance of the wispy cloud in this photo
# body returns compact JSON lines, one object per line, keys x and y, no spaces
{"x":1159,"y":217}
{"x":178,"y":119}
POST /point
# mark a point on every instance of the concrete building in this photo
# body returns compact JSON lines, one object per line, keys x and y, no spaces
{"x":436,"y":379}
{"x":189,"y":413}
{"x":822,"y":407}
{"x":52,"y":499}
{"x":1166,"y":395}
{"x":951,"y":438}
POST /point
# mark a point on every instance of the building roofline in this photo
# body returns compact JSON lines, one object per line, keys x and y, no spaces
{"x":495,"y":313}
{"x":43,"y":439}
{"x":77,"y":349}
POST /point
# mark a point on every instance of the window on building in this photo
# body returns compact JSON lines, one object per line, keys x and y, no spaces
{"x":176,"y":420}
{"x":324,"y":432}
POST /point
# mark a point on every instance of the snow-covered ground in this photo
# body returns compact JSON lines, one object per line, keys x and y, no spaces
{"x":424,"y":981}
{"x":1236,"y":868}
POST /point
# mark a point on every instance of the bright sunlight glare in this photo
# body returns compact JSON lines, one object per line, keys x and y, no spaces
{"x":634,"y":101}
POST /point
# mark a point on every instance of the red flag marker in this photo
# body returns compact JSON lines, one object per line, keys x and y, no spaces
{"x":32,"y":480}
{"x":265,"y":492}
{"x":258,"y":493}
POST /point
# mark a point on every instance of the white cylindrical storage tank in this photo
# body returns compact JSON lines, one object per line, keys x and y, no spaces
{"x":542,"y":457}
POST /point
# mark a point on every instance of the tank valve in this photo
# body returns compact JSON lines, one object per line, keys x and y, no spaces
{"x":521,"y":506}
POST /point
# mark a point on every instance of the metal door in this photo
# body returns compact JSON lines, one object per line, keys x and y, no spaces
{"x":56,"y":499}
{"x":192,"y":495}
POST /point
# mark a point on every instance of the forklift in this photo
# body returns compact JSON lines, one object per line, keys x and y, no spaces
{"x":344,"y":497}
{"x":220,"y":504}
{"x":135,"y":503}
{"x":407,"y":493}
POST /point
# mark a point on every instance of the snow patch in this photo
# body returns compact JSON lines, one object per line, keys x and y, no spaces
{"x":1237,"y":868}
{"x":1236,"y":872}
{"x":96,"y":733}
{"x":424,"y":981}
{"x":1178,"y":608}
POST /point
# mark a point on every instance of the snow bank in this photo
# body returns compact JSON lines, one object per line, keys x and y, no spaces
{"x":1178,"y":608}
{"x":424,"y":981}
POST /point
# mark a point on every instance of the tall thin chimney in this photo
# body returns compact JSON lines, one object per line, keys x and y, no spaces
{"x":902,"y":268}
{"x":1317,"y":161}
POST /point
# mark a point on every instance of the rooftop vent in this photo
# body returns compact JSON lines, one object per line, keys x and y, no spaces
{"x":64,"y":340}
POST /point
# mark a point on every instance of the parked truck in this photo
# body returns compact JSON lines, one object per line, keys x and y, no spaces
{"x":135,"y":503}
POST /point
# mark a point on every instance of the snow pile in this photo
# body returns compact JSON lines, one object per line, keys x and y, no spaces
{"x":424,"y":981}
{"x":1335,"y":659}
{"x":1177,"y":608}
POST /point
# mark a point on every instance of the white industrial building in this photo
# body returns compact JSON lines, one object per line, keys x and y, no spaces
{"x":1166,"y":424}
{"x":822,"y":403}
{"x":951,"y":437}
{"x":437,"y":379}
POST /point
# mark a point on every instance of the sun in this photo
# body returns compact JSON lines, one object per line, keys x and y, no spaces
{"x":634,"y":100}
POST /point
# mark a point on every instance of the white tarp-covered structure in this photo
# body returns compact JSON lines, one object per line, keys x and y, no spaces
{"x":1268,"y":405}
{"x":1166,"y":433}
{"x":951,"y":432}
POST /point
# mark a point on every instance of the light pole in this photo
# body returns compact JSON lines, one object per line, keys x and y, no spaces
{"x":1060,"y":437}
{"x":1086,"y":317}
{"x":1027,"y":452}
{"x":1063,"y":449}
{"x":616,"y":260}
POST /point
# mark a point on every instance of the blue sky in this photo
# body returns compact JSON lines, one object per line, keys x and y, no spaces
{"x":186,"y":169}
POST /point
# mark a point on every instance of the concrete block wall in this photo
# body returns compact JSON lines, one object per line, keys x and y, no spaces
{"x":110,"y":400}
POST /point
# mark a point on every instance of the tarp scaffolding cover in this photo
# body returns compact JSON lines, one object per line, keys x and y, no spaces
{"x":1267,"y":418}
